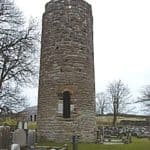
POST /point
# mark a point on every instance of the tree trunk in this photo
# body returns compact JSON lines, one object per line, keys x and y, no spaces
{"x":114,"y":120}
{"x":115,"y":117}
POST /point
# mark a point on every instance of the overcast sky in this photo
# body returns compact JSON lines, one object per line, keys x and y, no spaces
{"x":121,"y":41}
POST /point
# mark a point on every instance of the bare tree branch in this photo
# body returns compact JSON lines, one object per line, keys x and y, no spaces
{"x":101,"y":103}
{"x":145,"y":98}
{"x":119,"y":96}
{"x":19,"y":44}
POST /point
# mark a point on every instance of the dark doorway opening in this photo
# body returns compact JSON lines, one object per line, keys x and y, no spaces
{"x":66,"y":104}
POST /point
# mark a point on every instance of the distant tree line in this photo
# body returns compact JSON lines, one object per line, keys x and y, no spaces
{"x":117,"y":100}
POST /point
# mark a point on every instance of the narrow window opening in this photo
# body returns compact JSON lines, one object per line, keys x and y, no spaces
{"x":31,"y":118}
{"x":35,"y":118}
{"x":66,"y":104}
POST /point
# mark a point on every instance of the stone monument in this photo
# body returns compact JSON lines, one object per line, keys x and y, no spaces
{"x":19,"y":137}
{"x":66,"y":99}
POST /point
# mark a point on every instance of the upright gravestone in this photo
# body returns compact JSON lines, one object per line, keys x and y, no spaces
{"x":31,"y":137}
{"x":20,"y":125}
{"x":15,"y":147}
{"x":25,"y":126}
{"x":4,"y":137}
{"x":19,"y":137}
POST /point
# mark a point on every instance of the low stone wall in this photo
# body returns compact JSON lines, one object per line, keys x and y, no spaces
{"x":134,"y":123}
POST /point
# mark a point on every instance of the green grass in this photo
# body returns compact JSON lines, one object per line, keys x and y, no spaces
{"x":142,"y":144}
{"x":137,"y":144}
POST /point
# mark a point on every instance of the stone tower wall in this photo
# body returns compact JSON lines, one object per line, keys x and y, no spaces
{"x":67,"y":64}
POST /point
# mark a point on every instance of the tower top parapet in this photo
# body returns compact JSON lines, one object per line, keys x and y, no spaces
{"x":67,"y":3}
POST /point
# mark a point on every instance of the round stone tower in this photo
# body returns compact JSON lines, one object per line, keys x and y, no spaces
{"x":66,"y":102}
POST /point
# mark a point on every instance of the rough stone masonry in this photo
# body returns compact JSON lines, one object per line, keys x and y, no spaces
{"x":66,"y":101}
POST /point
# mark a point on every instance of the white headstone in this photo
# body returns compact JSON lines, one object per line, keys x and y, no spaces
{"x":15,"y":147}
{"x":25,"y":125}
{"x":19,"y":137}
{"x":20,"y":125}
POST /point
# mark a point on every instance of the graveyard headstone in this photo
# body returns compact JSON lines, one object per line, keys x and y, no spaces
{"x":25,"y":125}
{"x":19,"y":137}
{"x":15,"y":147}
{"x":20,"y":125}
{"x":31,"y":137}
{"x":4,"y":137}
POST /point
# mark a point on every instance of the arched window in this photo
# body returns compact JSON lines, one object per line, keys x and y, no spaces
{"x":66,"y":104}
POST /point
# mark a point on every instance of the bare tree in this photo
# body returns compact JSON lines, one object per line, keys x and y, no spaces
{"x":12,"y":98}
{"x":119,"y":95}
{"x":18,"y":53}
{"x":145,"y":98}
{"x":101,"y":103}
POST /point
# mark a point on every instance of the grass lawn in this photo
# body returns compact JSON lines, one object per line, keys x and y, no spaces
{"x":137,"y":144}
